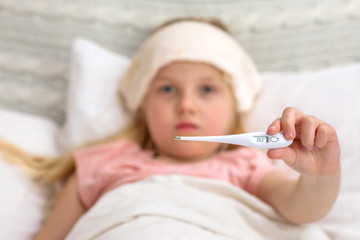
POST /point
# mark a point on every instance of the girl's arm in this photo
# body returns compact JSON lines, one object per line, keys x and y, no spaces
{"x":315,"y":154}
{"x":66,"y":212}
{"x":300,"y":201}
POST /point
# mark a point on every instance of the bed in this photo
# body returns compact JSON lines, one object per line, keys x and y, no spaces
{"x":308,"y":55}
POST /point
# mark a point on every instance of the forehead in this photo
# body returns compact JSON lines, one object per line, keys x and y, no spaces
{"x":187,"y":69}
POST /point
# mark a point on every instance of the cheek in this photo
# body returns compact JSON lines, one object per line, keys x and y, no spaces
{"x":219,"y":118}
{"x":157,"y":116}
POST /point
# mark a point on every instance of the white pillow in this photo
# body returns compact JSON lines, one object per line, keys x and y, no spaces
{"x":32,"y":133}
{"x":333,"y":96}
{"x":22,"y":201}
{"x":93,"y":105}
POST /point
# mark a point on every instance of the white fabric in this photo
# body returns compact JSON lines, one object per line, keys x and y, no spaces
{"x":191,"y":41}
{"x":32,"y":133}
{"x":183,"y":207}
{"x":93,"y":105}
{"x":22,"y":201}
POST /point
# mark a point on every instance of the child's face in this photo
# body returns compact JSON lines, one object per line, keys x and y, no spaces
{"x":188,"y":99}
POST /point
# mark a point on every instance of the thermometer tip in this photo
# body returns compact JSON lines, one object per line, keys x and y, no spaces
{"x":177,"y":138}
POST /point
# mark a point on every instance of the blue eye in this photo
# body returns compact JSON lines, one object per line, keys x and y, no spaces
{"x":208,"y":89}
{"x":167,"y":89}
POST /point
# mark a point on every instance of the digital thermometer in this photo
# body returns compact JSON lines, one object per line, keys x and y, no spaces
{"x":252,"y":139}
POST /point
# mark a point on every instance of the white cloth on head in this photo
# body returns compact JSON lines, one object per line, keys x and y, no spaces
{"x":191,"y":41}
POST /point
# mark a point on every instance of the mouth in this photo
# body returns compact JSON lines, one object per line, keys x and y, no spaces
{"x":186,"y":126}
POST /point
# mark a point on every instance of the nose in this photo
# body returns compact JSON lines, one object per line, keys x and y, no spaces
{"x":187,"y":103}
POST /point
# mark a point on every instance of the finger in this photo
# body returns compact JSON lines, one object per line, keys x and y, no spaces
{"x":323,"y":135}
{"x":290,"y":117}
{"x":274,"y":127}
{"x":287,"y":154}
{"x":309,"y":126}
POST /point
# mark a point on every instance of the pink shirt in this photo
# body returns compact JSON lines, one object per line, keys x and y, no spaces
{"x":103,"y":168}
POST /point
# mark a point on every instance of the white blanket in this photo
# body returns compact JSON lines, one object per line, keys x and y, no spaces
{"x":183,"y":207}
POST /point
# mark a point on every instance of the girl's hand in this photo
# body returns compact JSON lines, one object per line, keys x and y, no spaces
{"x":315,"y":150}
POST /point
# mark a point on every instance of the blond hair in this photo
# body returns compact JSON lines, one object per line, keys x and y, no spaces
{"x":52,"y":170}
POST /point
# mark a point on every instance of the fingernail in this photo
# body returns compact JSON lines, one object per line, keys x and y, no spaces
{"x":289,"y":135}
{"x":271,"y":128}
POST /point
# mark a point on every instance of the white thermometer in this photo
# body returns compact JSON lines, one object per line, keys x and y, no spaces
{"x":252,"y":139}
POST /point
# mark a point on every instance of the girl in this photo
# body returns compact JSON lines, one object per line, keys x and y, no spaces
{"x":191,"y":78}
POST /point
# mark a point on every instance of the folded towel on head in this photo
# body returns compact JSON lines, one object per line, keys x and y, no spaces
{"x":191,"y":41}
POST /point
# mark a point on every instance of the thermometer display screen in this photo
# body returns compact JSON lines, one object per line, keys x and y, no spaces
{"x":261,"y":139}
